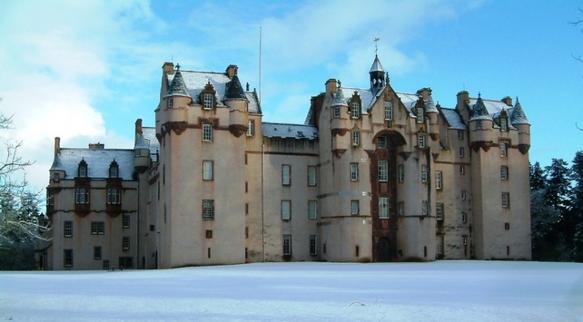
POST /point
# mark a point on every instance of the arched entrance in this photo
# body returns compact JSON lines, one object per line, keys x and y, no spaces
{"x":383,"y":170}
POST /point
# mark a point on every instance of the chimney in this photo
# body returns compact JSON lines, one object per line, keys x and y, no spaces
{"x":463,"y":97}
{"x":507,"y":100}
{"x":424,"y":92}
{"x":331,"y":85}
{"x":232,"y":70}
{"x":168,"y":68}
{"x":139,"y":126}
{"x":96,"y":146}
{"x":57,"y":145}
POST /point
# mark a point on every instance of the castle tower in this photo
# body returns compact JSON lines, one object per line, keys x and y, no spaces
{"x":377,"y":75}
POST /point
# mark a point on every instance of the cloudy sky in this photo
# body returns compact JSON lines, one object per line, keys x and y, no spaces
{"x":85,"y":70}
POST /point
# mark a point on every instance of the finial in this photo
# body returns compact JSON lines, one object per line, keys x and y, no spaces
{"x":479,"y":95}
{"x":376,"y":45}
{"x":177,"y":66}
{"x":247,"y":87}
{"x":517,"y":102}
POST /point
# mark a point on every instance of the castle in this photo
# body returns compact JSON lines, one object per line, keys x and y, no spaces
{"x":372,"y":175}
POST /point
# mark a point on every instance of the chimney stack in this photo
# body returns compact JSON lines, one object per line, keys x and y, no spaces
{"x":463,"y":97}
{"x":57,"y":145}
{"x":507,"y":100}
{"x":139,"y":126}
{"x":232,"y":70}
{"x":96,"y":146}
{"x":168,"y":68}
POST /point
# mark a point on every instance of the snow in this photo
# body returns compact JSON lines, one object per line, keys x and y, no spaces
{"x":98,"y":161}
{"x":453,"y":119}
{"x":294,"y":131}
{"x":436,"y":291}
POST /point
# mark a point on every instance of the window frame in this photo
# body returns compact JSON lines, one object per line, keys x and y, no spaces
{"x":113,"y":170}
{"x":355,"y":138}
{"x":422,"y":140}
{"x":113,"y":196}
{"x":336,"y":112}
{"x":462,"y":152}
{"x":286,"y":211}
{"x":401,"y":173}
{"x":251,"y":128}
{"x":354,"y":207}
{"x":354,"y":172}
{"x":287,"y":248}
{"x":207,"y":132}
{"x":312,"y":209}
{"x":503,"y":146}
{"x":205,"y":164}
{"x":383,"y":170}
{"x":424,"y":174}
{"x":208,"y":209}
{"x":286,"y":180}
{"x":313,"y":245}
{"x":355,"y":110}
{"x":312,"y":176}
{"x":440,"y":211}
{"x":68,"y":229}
{"x":125,"y":221}
{"x":504,"y":173}
{"x":438,"y":180}
{"x":208,"y":101}
{"x":388,"y":111}
{"x":384,"y":208}
{"x":82,"y":169}
{"x":97,"y":255}
{"x":125,"y":243}
{"x":67,"y":258}
{"x":505,"y":199}
{"x":97,"y":228}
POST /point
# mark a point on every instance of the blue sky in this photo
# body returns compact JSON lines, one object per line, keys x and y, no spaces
{"x":85,"y":70}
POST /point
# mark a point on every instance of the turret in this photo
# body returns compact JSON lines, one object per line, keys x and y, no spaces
{"x":141,"y":149}
{"x":377,"y":75}
{"x":480,"y":124}
{"x":518,"y":120}
{"x":57,"y":172}
{"x":237,"y":102}
{"x":431,"y":111}
{"x":339,"y":119}
{"x":178,"y":95}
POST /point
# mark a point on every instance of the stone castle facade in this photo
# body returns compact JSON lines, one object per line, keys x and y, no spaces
{"x":373,"y":175}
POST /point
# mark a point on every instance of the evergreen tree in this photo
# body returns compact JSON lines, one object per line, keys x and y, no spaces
{"x":577,"y":206}
{"x":537,"y":177}
{"x":557,"y":192}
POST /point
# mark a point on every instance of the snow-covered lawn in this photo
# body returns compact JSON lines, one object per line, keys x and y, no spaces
{"x":438,"y":291}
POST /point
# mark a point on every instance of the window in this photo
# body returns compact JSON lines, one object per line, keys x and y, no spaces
{"x":68,"y":229}
{"x":246,"y":208}
{"x":460,"y":135}
{"x":68,"y":258}
{"x":336,"y":111}
{"x":504,"y":173}
{"x":462,"y":152}
{"x":354,"y":207}
{"x":424,"y":208}
{"x":208,"y":101}
{"x":464,"y":217}
{"x":383,"y":169}
{"x":401,"y":208}
{"x":97,"y":228}
{"x":506,"y":226}
{"x":125,"y":221}
{"x":420,"y":114}
{"x":401,"y":173}
{"x":105,"y":264}
{"x":465,"y":240}
{"x":97,"y":253}
{"x":312,"y":176}
{"x":312,"y":209}
{"x":464,"y":195}
{"x":503,"y":149}
{"x":353,"y":171}
{"x":286,"y":210}
{"x":355,"y":138}
{"x":424,"y":173}
{"x":506,"y":200}
{"x":356,"y":251}
{"x":462,"y":169}
{"x":113,"y":170}
{"x":388,"y":111}
{"x":81,"y":196}
{"x":208,"y":209}
{"x":207,"y":132}
{"x":504,"y":123}
{"x":113,"y":196}
{"x":208,"y":234}
{"x":383,"y":207}
{"x":246,"y":232}
{"x":438,"y":180}
{"x":313,"y":245}
{"x":82,"y":169}
{"x":382,"y":142}
{"x":421,"y":140}
{"x":125,"y":243}
{"x":207,"y":170}
{"x":251,"y":128}
{"x":287,"y":245}
{"x":286,"y":175}
{"x":208,"y":252}
{"x":169,"y":102}
{"x":439,"y":209}
{"x":355,"y":110}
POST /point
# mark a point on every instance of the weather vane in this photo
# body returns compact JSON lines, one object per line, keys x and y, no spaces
{"x":376,"y":45}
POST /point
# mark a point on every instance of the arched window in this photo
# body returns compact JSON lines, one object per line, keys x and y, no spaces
{"x":113,"y":170}
{"x":82,"y":169}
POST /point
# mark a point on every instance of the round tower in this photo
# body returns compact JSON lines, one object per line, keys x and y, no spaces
{"x":480,"y":125}
{"x":518,"y":120}
{"x":237,"y":102}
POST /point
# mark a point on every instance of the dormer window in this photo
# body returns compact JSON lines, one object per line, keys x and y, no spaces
{"x":207,"y":97}
{"x":504,"y":123}
{"x":113,"y":170}
{"x":420,"y":114}
{"x":355,"y":110}
{"x":207,"y":101}
{"x":82,"y":169}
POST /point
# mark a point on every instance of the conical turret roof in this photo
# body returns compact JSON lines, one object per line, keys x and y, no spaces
{"x":479,"y":111}
{"x":177,"y":86}
{"x":376,"y":65}
{"x":518,"y":116}
{"x":338,"y":98}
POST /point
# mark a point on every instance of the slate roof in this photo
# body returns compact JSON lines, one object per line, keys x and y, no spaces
{"x":147,"y":140}
{"x":289,"y":131}
{"x":196,"y":80}
{"x":517,"y":115}
{"x":453,"y":119}
{"x":98,"y":161}
{"x":376,"y":65}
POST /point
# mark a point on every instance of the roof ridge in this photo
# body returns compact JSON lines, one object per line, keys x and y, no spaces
{"x":203,"y":72}
{"x":104,"y":149}
{"x":276,"y":123}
